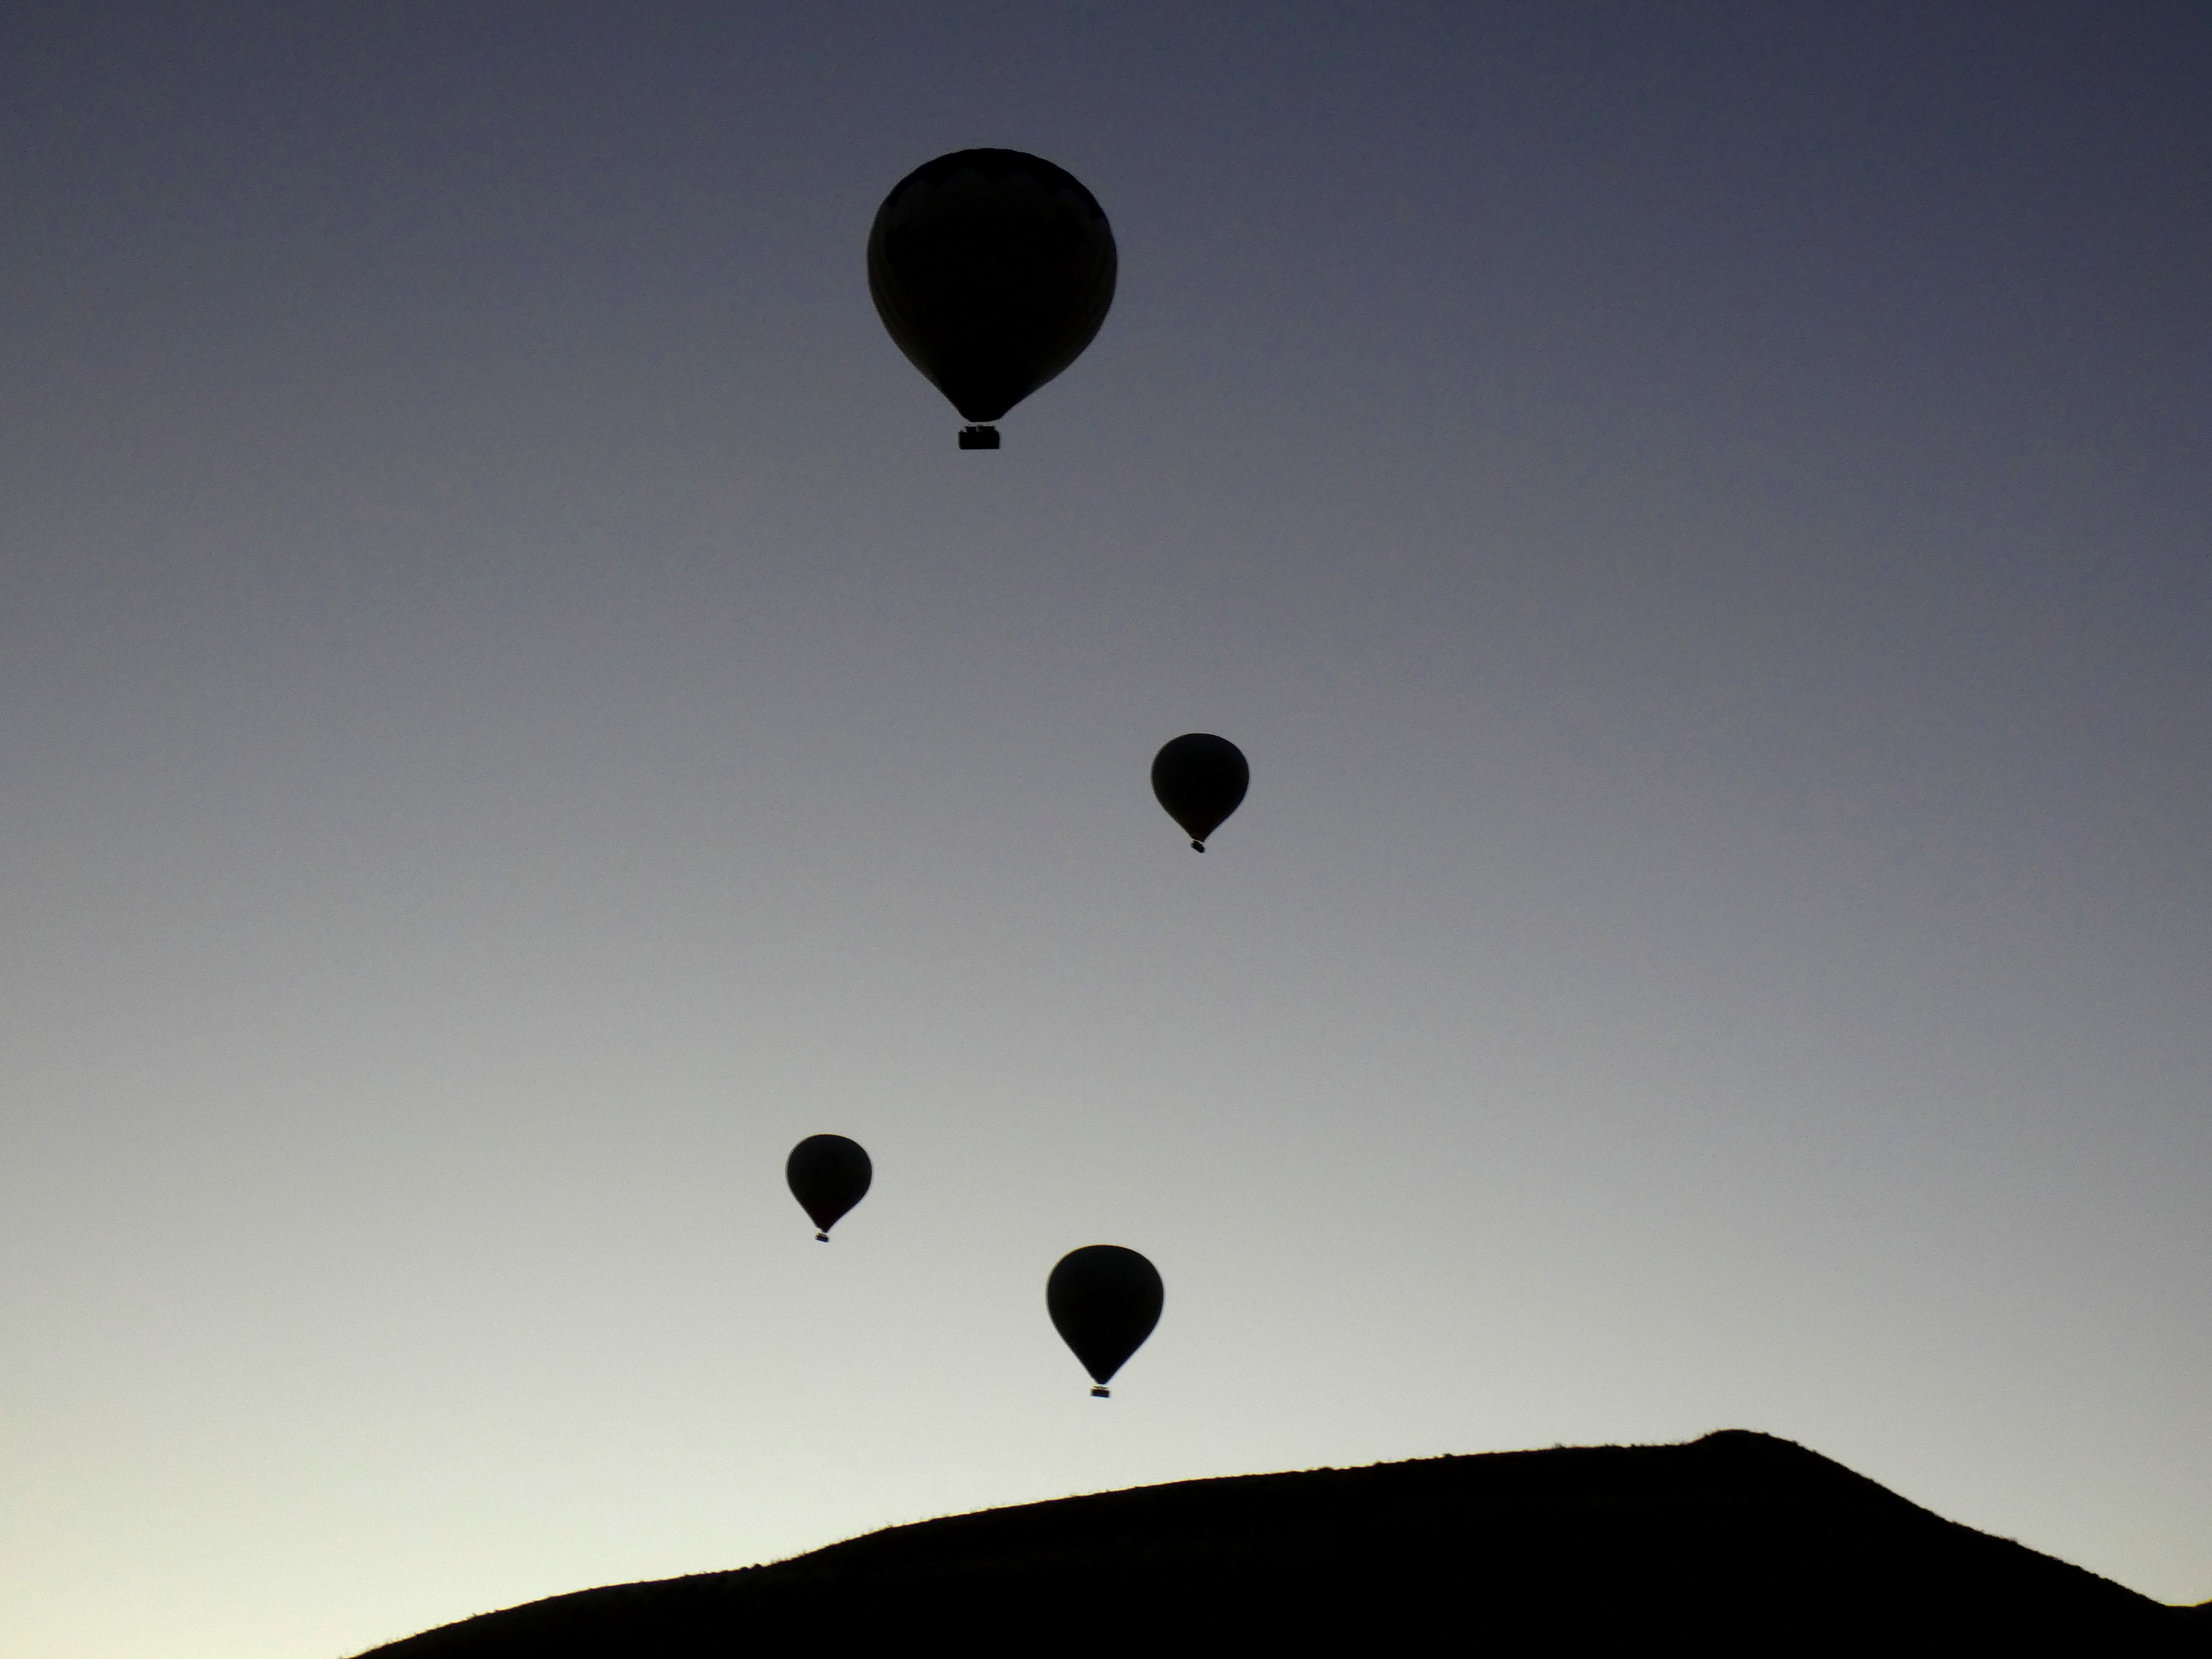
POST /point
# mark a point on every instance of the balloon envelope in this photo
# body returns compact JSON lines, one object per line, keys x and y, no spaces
{"x":829,"y":1175}
{"x":992,"y":269}
{"x":1200,"y":779}
{"x":1104,"y":1301}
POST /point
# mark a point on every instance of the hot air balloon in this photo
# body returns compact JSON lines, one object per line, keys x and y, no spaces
{"x":829,"y":1175}
{"x":992,"y":269}
{"x":1104,"y":1301}
{"x":1199,"y":779}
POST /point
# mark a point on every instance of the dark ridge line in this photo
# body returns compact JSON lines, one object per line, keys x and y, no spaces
{"x":1738,"y":1540}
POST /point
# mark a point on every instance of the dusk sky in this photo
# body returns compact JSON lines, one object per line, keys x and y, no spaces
{"x":513,"y":710}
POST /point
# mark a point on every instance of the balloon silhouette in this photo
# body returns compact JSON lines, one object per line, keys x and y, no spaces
{"x":829,"y":1175}
{"x":992,"y":269}
{"x":1104,"y":1301}
{"x":1199,"y":779}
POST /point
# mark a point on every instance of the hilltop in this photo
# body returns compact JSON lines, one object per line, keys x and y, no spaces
{"x":1739,"y":1541}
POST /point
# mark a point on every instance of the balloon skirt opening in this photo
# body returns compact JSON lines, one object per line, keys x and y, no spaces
{"x":978,"y":437}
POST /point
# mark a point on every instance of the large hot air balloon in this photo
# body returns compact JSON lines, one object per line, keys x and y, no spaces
{"x":829,"y":1175}
{"x":1104,"y":1301}
{"x":1199,"y":779}
{"x":992,"y":269}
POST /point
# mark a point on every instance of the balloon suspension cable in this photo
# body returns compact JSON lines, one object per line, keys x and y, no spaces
{"x":978,"y":437}
{"x":1102,"y":1392}
{"x":820,"y":1238}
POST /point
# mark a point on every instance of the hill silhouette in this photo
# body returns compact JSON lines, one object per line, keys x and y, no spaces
{"x":1736,"y":1542}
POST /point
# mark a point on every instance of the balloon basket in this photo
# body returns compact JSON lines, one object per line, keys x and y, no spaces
{"x":1102,"y":1392}
{"x":820,"y":1238}
{"x":978,"y":437}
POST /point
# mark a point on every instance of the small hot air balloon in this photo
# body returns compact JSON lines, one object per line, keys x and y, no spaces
{"x":1104,"y":1301}
{"x":1199,"y":779}
{"x":992,"y":269}
{"x":829,"y":1175}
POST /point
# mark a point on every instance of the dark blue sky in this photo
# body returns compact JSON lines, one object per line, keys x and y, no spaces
{"x":513,"y":710}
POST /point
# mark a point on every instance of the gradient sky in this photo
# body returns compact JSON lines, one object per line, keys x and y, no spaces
{"x":513,"y":711}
